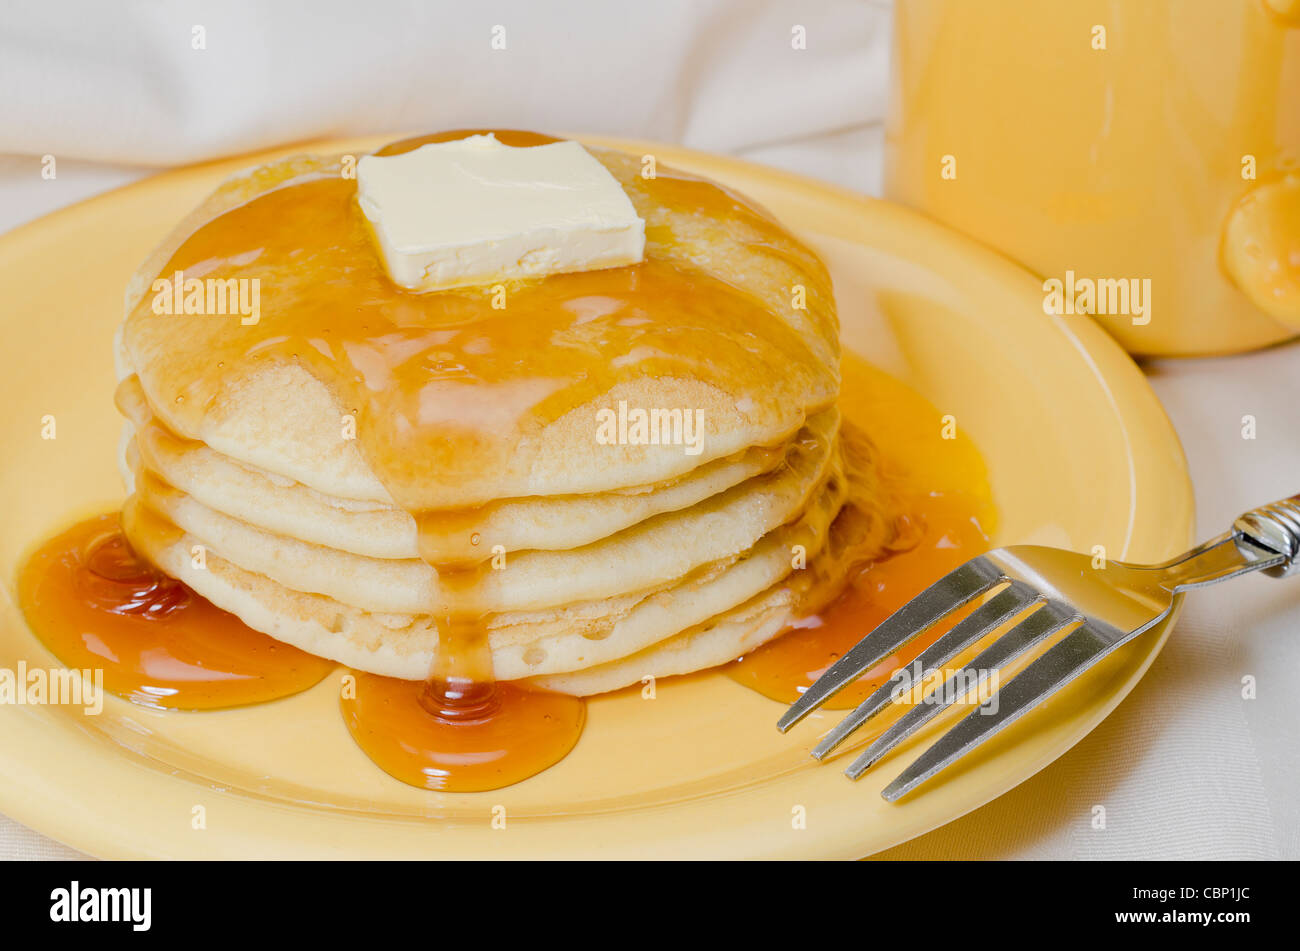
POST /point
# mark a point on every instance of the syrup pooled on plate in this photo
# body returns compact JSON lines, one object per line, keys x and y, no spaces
{"x":941,"y":532}
{"x":98,"y":605}
{"x":934,"y":493}
{"x":496,"y":735}
{"x":460,"y":730}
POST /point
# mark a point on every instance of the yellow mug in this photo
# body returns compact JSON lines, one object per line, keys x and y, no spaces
{"x":1142,"y":156}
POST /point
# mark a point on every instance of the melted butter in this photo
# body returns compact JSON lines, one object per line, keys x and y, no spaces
{"x":98,"y":605}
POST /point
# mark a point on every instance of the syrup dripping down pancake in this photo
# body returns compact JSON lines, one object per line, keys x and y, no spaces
{"x":525,"y":643}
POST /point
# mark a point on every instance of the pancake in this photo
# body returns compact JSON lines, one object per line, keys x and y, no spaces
{"x":577,"y":480}
{"x":649,"y":554}
{"x":713,"y":642}
{"x":523,"y":644}
{"x":721,"y":267}
{"x":283,"y":507}
{"x":858,"y":532}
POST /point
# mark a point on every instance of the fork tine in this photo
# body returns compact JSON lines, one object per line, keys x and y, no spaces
{"x":1001,"y":608}
{"x":1060,"y":664}
{"x":1038,"y":626}
{"x":955,"y":589}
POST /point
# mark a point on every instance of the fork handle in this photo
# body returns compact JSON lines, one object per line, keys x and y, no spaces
{"x":1276,"y":527}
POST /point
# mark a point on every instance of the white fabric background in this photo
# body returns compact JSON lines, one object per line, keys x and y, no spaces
{"x":1185,"y":767}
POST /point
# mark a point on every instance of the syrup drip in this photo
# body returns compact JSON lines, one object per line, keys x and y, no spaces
{"x":521,"y":733}
{"x":462,"y":684}
{"x":460,"y":730}
{"x":96,"y":605}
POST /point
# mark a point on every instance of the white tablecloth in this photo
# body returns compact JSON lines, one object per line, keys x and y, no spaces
{"x":1186,"y":768}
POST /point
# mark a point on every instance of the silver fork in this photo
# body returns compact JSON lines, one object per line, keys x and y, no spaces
{"x":1049,"y":590}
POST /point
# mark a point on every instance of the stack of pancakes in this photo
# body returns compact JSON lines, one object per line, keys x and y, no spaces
{"x":596,"y":564}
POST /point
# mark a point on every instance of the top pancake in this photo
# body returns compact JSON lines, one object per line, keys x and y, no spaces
{"x":456,"y":400}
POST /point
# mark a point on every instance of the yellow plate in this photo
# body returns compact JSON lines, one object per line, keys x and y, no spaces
{"x":1079,"y":454}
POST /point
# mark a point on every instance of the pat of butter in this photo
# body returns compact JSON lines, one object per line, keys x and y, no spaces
{"x":475,"y":211}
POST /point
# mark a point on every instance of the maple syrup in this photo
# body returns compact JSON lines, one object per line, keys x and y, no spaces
{"x":489,"y":739}
{"x":932,"y":492}
{"x":942,"y":532}
{"x":96,"y":604}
